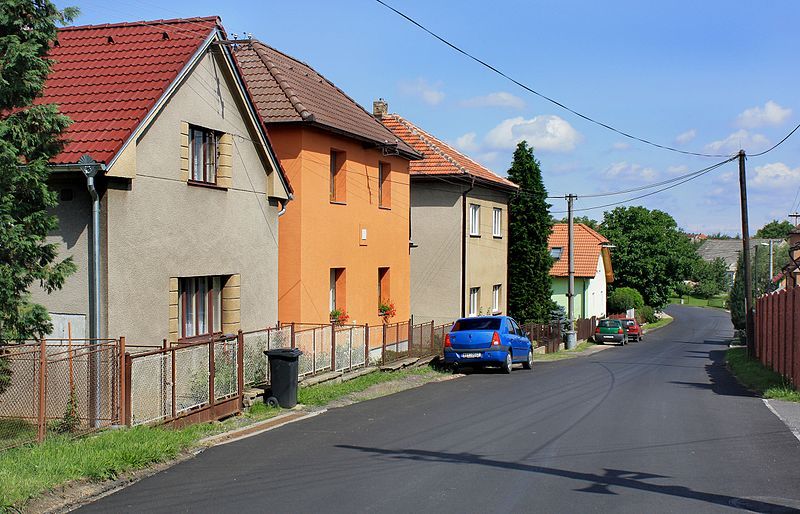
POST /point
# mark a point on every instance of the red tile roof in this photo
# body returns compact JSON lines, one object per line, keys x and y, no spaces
{"x":439,"y":158}
{"x":286,"y":90}
{"x":586,"y":250}
{"x":106,"y":78}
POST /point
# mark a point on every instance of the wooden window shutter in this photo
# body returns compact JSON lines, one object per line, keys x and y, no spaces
{"x":184,"y":152}
{"x":224,"y":167}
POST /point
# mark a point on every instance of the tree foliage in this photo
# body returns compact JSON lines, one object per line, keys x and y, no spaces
{"x":622,"y":299}
{"x":775,"y":230}
{"x":586,"y":220}
{"x":736,"y":297}
{"x":530,"y":224}
{"x":711,"y":278}
{"x":651,"y":254}
{"x":29,"y":137}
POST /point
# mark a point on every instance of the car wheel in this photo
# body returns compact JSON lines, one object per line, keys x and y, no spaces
{"x":528,"y":364}
{"x":507,"y":364}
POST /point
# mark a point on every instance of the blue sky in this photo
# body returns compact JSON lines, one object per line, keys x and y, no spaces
{"x":704,"y":76}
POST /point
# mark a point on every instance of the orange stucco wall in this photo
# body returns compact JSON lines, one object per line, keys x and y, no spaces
{"x":317,"y":235}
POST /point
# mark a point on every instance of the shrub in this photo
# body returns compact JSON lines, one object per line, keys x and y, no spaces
{"x":682,"y":289}
{"x":646,"y":314}
{"x":705,"y":290}
{"x":624,"y":298}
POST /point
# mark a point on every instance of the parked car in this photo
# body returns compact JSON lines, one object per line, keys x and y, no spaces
{"x":632,"y":329}
{"x":610,"y":331}
{"x":488,"y":340}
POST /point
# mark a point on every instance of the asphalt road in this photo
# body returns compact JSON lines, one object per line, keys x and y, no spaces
{"x":657,"y":426}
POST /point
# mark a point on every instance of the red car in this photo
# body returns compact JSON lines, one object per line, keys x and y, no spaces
{"x":632,"y":328}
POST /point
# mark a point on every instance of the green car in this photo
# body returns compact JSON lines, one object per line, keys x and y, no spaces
{"x":610,"y":331}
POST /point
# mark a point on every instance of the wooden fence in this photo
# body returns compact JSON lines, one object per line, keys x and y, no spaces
{"x":778,"y":332}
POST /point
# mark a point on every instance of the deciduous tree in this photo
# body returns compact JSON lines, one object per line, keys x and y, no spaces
{"x":775,"y":230}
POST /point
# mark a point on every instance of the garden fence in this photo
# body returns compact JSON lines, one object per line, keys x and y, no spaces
{"x":778,"y":333}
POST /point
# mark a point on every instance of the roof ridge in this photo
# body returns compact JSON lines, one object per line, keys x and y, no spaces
{"x":283,"y":83}
{"x":421,"y":133}
{"x":141,"y":23}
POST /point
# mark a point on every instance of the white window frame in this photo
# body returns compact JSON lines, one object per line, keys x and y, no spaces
{"x":496,"y":297}
{"x":497,"y":222}
{"x":474,"y":219}
{"x":474,"y":300}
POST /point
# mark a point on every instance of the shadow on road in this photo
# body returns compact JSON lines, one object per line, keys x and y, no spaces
{"x":595,"y":483}
{"x":720,"y":379}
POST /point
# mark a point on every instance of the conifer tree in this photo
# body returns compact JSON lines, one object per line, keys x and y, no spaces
{"x":530,"y":225}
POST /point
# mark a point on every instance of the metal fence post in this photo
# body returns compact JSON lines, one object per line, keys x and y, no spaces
{"x":433,"y":340}
{"x":42,"y":390}
{"x":291,"y":335}
{"x":383,"y":346}
{"x":128,"y":393}
{"x":366,"y":345}
{"x":333,"y":347}
{"x":211,"y":371}
{"x":240,"y":366}
{"x":121,"y":378}
{"x":410,"y":338}
{"x":173,"y":379}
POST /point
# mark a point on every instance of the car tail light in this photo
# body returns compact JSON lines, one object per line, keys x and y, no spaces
{"x":597,"y":330}
{"x":447,"y":343}
{"x":495,"y":339}
{"x":620,"y":331}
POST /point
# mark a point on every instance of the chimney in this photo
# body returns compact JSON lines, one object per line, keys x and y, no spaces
{"x":380,"y":108}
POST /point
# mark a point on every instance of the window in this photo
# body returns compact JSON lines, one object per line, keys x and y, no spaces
{"x":337,"y":289}
{"x":383,"y":285}
{"x":474,"y":219}
{"x":384,"y":185}
{"x":476,"y":324}
{"x":200,"y":311}
{"x":497,"y":222}
{"x":338,"y":182}
{"x":474,"y":300}
{"x":203,"y":152}
{"x":496,"y":298}
{"x":556,"y":252}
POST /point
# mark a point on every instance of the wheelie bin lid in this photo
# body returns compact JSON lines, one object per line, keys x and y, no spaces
{"x":283,"y":353}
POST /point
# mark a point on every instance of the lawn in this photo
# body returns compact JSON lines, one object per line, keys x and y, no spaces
{"x":322,"y":394}
{"x":753,"y":375}
{"x":717,"y":302}
{"x":666,"y":320}
{"x":563,"y":354}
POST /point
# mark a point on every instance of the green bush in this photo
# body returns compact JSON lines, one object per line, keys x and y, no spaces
{"x":624,"y":298}
{"x":705,"y":290}
{"x":646,"y":314}
{"x":682,"y":289}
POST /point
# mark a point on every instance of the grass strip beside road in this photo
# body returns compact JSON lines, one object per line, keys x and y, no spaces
{"x":322,"y":394}
{"x":716,"y":302}
{"x":754,"y":375}
{"x":564,"y":354}
{"x":666,"y":320}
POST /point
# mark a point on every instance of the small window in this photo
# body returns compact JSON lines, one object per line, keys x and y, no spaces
{"x":337,"y":289}
{"x":383,"y":285}
{"x":203,"y":155}
{"x":384,"y":185}
{"x":474,"y":219}
{"x":338,"y":176}
{"x":474,"y":300}
{"x":497,"y":222}
{"x":496,"y":298}
{"x":555,"y":252}
{"x":200,"y":310}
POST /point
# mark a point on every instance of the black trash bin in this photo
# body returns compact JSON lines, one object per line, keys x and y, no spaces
{"x":283,"y":371}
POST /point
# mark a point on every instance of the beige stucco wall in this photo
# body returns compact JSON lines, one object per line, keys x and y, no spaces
{"x":487,"y":256}
{"x":436,"y":261}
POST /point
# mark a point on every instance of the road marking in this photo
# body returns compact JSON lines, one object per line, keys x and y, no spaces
{"x":792,"y":429}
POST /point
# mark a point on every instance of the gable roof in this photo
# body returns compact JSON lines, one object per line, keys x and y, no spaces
{"x":107,"y":78}
{"x":439,"y":158}
{"x":727,"y":250}
{"x":587,"y":251}
{"x":286,"y":90}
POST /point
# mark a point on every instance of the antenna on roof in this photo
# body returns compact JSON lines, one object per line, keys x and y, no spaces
{"x":235,"y":35}
{"x":795,"y":215}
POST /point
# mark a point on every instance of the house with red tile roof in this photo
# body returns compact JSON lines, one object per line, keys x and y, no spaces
{"x":459,"y":228}
{"x":593,"y":272}
{"x":188,"y":189}
{"x":344,"y":241}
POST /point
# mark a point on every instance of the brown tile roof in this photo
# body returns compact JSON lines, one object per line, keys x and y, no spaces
{"x":586,"y":250}
{"x":286,"y":90}
{"x":439,"y":158}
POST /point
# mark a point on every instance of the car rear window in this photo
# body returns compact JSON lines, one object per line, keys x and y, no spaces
{"x":477,"y":324}
{"x":608,"y":323}
{"x":629,"y":322}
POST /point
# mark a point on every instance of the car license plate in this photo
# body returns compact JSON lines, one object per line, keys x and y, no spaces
{"x":474,"y":355}
{"x":609,"y":337}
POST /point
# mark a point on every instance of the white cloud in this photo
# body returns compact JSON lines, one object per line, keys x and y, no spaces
{"x":498,"y":99}
{"x":776,"y":175}
{"x":739,"y":139}
{"x":467,"y":142}
{"x":630,"y":171}
{"x":545,"y":132}
{"x":770,"y":114}
{"x":431,"y":94}
{"x":686,"y":137}
{"x":678,"y":170}
{"x":622,"y":145}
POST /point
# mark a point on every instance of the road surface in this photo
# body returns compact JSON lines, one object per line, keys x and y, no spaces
{"x":657,"y":426}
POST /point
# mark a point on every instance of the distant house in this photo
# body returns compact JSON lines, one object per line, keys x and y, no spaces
{"x":593,"y":270}
{"x":728,"y":250}
{"x":459,"y":228}
{"x":344,"y":240}
{"x":189,"y":194}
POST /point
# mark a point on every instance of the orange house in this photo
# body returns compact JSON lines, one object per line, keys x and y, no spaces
{"x":344,"y":240}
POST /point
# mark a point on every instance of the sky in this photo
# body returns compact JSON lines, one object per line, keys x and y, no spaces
{"x":703,"y":76}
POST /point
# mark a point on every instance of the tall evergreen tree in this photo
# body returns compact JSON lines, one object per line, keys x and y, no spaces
{"x":30,"y":136}
{"x":736,"y":297}
{"x":529,"y":227}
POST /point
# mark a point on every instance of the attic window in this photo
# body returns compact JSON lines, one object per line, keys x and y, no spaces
{"x":556,"y":251}
{"x":110,"y":39}
{"x":164,"y":35}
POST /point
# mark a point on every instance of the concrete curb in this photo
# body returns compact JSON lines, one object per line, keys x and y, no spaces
{"x":787,"y":412}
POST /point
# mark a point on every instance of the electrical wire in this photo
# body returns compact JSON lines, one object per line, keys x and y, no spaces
{"x":776,"y":145}
{"x":541,"y":95}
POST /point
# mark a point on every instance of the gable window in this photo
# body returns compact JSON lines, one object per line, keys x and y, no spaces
{"x":200,"y":310}
{"x":338,"y":176}
{"x":384,"y":185}
{"x":474,"y":219}
{"x":474,"y":300}
{"x":556,"y":251}
{"x":496,"y":298}
{"x":497,"y":222}
{"x":203,"y":155}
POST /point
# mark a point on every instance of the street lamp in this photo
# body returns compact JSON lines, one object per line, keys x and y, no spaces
{"x":771,"y":272}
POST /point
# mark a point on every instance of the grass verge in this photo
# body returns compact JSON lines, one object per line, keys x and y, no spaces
{"x":322,"y":394}
{"x":754,"y":375}
{"x":716,"y":302}
{"x":663,"y":322}
{"x":564,"y":354}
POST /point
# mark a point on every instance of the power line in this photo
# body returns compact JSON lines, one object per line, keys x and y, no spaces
{"x":543,"y":96}
{"x":776,"y":145}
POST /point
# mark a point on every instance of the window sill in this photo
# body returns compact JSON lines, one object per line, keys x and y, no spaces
{"x":200,"y":339}
{"x":207,"y":185}
{"x":337,"y":202}
{"x":475,"y":235}
{"x":497,"y":237}
{"x":385,"y":208}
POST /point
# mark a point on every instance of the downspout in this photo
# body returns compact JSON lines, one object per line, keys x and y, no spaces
{"x":464,"y":247}
{"x":284,"y":204}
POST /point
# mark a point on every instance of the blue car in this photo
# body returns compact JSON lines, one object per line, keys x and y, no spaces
{"x":488,"y":340}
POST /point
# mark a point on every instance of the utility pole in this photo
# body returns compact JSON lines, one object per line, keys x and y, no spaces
{"x":571,"y":336}
{"x":748,"y":282}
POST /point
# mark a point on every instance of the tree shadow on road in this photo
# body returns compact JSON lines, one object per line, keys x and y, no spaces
{"x":721,"y":381}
